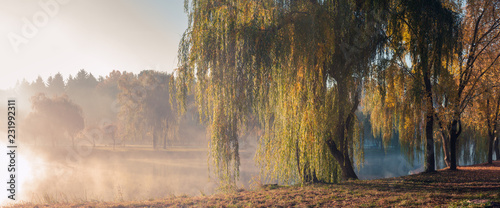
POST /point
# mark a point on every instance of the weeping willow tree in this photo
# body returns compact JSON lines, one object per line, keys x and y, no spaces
{"x":298,"y":65}
{"x":401,"y":94}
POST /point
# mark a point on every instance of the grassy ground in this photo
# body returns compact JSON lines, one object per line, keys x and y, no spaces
{"x":472,"y":186}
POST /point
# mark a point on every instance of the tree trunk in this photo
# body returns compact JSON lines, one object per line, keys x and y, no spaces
{"x":446,"y":149}
{"x":154,"y":139}
{"x":308,"y":175}
{"x":490,"y":148}
{"x":165,"y":141}
{"x":497,"y":150}
{"x":456,"y":129}
{"x":491,"y":137}
{"x":165,"y":134}
{"x":496,"y":127}
{"x":347,"y":169}
{"x":430,"y":162}
{"x":341,"y":152}
{"x":297,"y":158}
{"x":343,"y":160}
{"x":453,"y":151}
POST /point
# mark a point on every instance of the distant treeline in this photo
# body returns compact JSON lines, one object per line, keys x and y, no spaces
{"x":120,"y":108}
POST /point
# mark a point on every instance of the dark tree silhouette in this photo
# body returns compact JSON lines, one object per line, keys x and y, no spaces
{"x":38,"y":86}
{"x":55,"y":85}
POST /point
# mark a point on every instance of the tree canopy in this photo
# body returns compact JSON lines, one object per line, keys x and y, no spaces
{"x":53,"y":117}
{"x":304,"y":67}
{"x":299,"y":65}
{"x":145,"y":105}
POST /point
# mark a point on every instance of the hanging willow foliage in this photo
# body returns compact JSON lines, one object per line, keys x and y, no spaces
{"x":298,"y":65}
{"x":403,"y":93}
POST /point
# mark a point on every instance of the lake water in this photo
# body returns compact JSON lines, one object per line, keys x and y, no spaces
{"x":140,"y":173}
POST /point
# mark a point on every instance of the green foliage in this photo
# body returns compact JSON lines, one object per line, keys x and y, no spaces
{"x":298,"y":65}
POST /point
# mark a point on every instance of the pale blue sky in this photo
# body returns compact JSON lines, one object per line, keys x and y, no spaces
{"x":95,"y":35}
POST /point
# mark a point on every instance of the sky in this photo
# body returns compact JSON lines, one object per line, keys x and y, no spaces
{"x":44,"y":37}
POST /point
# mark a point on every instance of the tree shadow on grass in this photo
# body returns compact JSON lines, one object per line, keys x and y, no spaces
{"x":478,"y":178}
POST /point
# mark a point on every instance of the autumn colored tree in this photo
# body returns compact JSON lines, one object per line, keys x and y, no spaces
{"x":489,"y":108}
{"x":423,"y":37}
{"x":461,"y":84}
{"x":299,"y":65}
{"x":484,"y":112}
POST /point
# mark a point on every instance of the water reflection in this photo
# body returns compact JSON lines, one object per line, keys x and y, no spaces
{"x":386,"y":164}
{"x":130,"y":173}
{"x":141,"y":173}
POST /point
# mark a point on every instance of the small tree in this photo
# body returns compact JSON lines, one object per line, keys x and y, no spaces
{"x":58,"y":115}
{"x":110,"y":130}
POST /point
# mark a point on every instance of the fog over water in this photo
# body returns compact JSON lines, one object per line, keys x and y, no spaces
{"x":131,"y":173}
{"x":63,"y":173}
{"x":136,"y":172}
{"x":72,"y":148}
